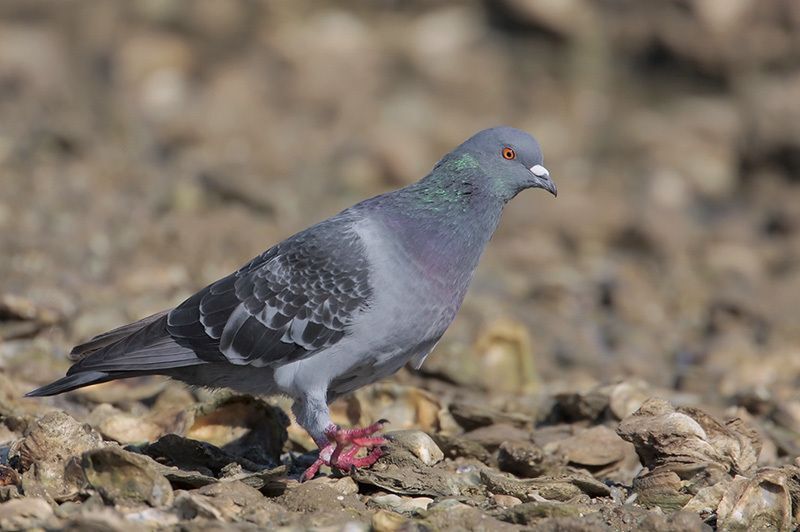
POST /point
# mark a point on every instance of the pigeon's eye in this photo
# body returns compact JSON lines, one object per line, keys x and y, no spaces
{"x":509,"y":153}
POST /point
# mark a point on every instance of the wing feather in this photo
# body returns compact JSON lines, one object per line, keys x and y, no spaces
{"x":293,"y":300}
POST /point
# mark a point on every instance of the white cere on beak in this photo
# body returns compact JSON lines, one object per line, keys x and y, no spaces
{"x":539,"y":171}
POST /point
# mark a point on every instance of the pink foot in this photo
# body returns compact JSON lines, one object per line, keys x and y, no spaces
{"x":344,"y":444}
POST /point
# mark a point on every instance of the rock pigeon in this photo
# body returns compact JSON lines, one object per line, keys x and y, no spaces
{"x":337,"y":306}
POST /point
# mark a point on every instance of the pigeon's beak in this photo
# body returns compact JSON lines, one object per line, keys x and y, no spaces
{"x":541,"y":179}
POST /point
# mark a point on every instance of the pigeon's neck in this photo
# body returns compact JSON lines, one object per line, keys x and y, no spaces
{"x":443,"y":223}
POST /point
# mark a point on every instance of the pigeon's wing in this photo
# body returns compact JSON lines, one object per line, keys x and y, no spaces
{"x":293,"y":300}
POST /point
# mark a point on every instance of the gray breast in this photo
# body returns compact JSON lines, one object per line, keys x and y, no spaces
{"x":406,"y":317}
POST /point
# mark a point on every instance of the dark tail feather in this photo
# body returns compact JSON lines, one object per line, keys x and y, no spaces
{"x":72,"y":382}
{"x":148,"y":350}
{"x":111,"y":337}
{"x":142,"y":348}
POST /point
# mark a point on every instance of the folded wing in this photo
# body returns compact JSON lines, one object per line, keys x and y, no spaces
{"x":295,"y":299}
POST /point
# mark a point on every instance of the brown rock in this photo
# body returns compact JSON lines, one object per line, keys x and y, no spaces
{"x":188,"y":454}
{"x":663,"y":435}
{"x":450,"y":514}
{"x":456,"y":446}
{"x":406,"y":407}
{"x":522,"y":458}
{"x":597,"y":447}
{"x":566,"y":19}
{"x":574,"y":406}
{"x":25,"y":514}
{"x":403,"y":505}
{"x":684,"y":450}
{"x":627,"y":397}
{"x":418,"y":443}
{"x":763,"y":502}
{"x":322,"y":504}
{"x":505,"y":501}
{"x":385,"y":521}
{"x":493,"y":436}
{"x":228,"y":501}
{"x":506,"y":358}
{"x":471,"y":416}
{"x":240,"y":425}
{"x":562,"y":487}
{"x":54,"y":437}
{"x":528,"y":513}
{"x":125,"y":478}
{"x":123,"y":427}
{"x":402,"y":473}
{"x":8,"y":477}
{"x":48,"y":452}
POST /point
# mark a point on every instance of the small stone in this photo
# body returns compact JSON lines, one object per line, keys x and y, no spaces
{"x":684,"y":450}
{"x":534,"y":511}
{"x":456,"y":446}
{"x":47,"y":454}
{"x":563,"y":487}
{"x":149,"y":517}
{"x":763,"y":502}
{"x":450,"y":514}
{"x":597,"y":446}
{"x":245,"y":426}
{"x":188,"y":454}
{"x":25,"y":514}
{"x":505,"y":501}
{"x":108,"y":520}
{"x":522,"y":458}
{"x":342,"y":485}
{"x":405,"y":406}
{"x":506,"y":356}
{"x":385,"y":521}
{"x":566,"y":18}
{"x":227,"y":501}
{"x":660,"y":487}
{"x":402,"y":473}
{"x":314,"y":496}
{"x":403,"y":505}
{"x":54,"y":437}
{"x":125,"y":478}
{"x":8,"y":477}
{"x":121,"y":426}
{"x":626,"y":397}
{"x":419,"y":443}
{"x":493,"y":436}
{"x":471,"y":416}
{"x":574,"y":406}
{"x":266,"y":480}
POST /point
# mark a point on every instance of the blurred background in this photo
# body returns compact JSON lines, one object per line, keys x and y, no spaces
{"x":148,"y":148}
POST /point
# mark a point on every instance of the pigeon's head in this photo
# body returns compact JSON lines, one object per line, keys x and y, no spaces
{"x":509,"y":161}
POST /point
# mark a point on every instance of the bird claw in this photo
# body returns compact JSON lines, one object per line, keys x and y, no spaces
{"x":344,"y":444}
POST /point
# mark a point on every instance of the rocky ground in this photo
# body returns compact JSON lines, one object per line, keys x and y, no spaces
{"x":628,"y":355}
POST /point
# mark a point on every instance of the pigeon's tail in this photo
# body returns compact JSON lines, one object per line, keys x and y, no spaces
{"x":141,"y":348}
{"x":111,"y":337}
{"x":71,"y":382}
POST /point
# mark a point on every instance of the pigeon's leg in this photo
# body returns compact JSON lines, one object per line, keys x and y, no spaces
{"x":324,"y":458}
{"x":349,"y":441}
{"x":347,"y":459}
{"x":338,"y":446}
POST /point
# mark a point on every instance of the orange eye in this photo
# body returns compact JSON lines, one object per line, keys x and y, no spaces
{"x":509,"y":153}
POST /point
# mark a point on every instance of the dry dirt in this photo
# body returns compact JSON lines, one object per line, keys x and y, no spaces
{"x":628,"y":356}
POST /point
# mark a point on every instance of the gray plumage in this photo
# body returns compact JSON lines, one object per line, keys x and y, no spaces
{"x":339,"y":305}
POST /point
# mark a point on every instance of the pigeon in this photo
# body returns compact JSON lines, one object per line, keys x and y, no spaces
{"x":337,"y":306}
